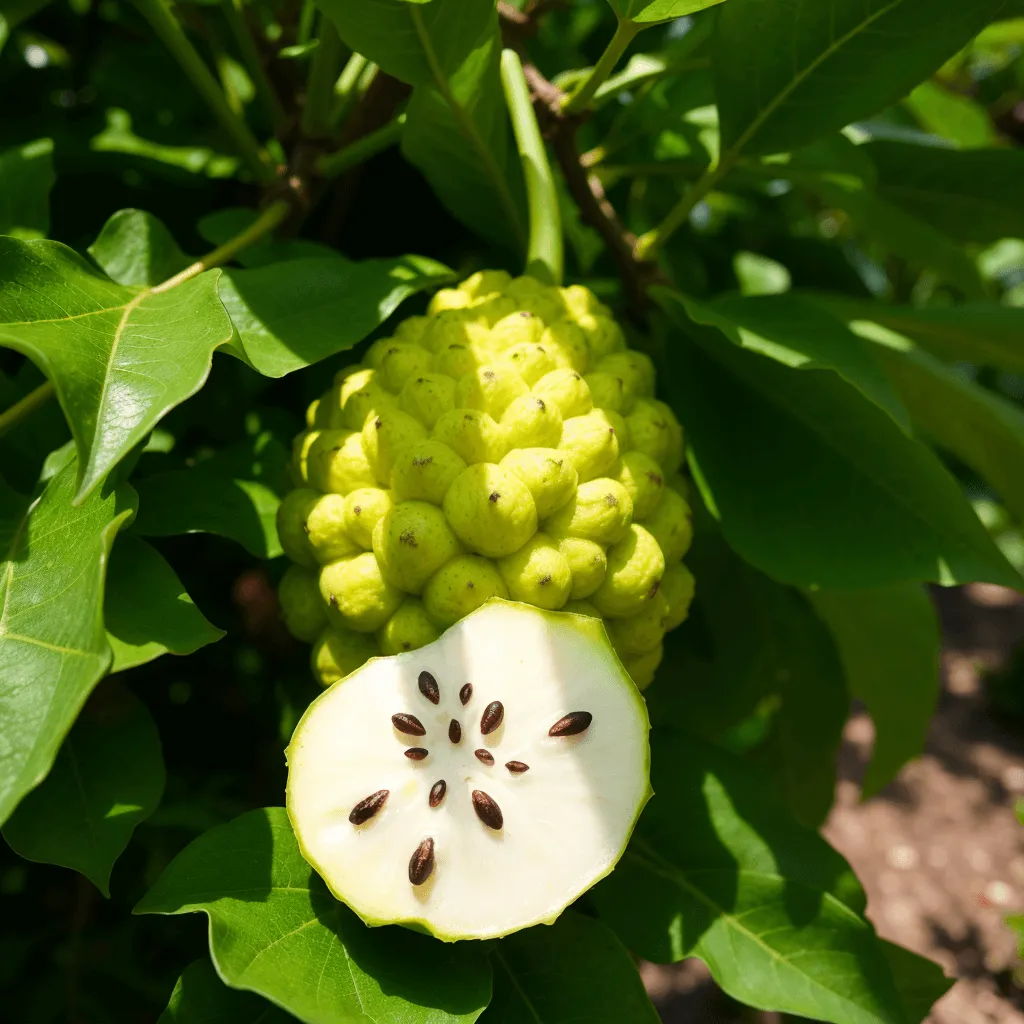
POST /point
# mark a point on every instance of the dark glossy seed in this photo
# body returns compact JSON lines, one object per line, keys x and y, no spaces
{"x":437,"y":792}
{"x":409,"y":724}
{"x":517,"y":767}
{"x":572,"y":724}
{"x":421,"y":863}
{"x":429,"y":688}
{"x":487,"y":810}
{"x":465,"y":693}
{"x":492,"y":716}
{"x":485,"y":756}
{"x":366,"y":809}
{"x":416,"y":753}
{"x":454,"y":731}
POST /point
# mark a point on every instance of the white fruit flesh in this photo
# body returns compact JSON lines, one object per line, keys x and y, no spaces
{"x":566,"y":820}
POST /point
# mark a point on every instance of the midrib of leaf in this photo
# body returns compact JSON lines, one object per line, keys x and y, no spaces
{"x":515,"y":984}
{"x":654,"y":862}
{"x":466,"y":124}
{"x":80,"y":785}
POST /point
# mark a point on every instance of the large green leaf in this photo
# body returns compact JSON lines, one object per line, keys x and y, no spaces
{"x":787,"y":71}
{"x":234,"y":494}
{"x":147,"y":611}
{"x":785,"y":328}
{"x":26,"y":177}
{"x":952,"y":115}
{"x":119,"y":357}
{"x":982,"y":429}
{"x":646,"y":12}
{"x":135,"y":248}
{"x":276,"y":929}
{"x":108,"y":776}
{"x":814,"y":484}
{"x":717,"y":870}
{"x":752,"y":649}
{"x":289,"y":315}
{"x":53,"y":649}
{"x":971,"y":195}
{"x":200,"y":997}
{"x":889,"y":641}
{"x":575,"y":970}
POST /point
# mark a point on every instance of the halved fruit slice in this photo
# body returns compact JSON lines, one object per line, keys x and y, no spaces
{"x":477,"y":785}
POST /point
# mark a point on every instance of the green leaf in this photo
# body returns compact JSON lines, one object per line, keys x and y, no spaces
{"x":120,"y":357}
{"x":976,"y":332}
{"x":920,"y":982}
{"x":290,"y":315}
{"x":716,"y":870}
{"x":135,"y":248}
{"x":147,"y":611}
{"x":574,"y":970}
{"x":275,"y":929}
{"x":970,"y":195}
{"x":982,"y":429}
{"x":786,"y":329}
{"x":787,"y":72}
{"x":53,"y":649}
{"x":652,"y":11}
{"x":812,"y":483}
{"x":234,"y":494}
{"x":753,"y":648}
{"x":952,"y":116}
{"x":26,"y":177}
{"x":889,"y":641}
{"x":108,"y":777}
{"x":222,"y":225}
{"x":200,"y":997}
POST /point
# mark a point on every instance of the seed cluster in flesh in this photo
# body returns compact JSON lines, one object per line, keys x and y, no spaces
{"x":507,"y":444}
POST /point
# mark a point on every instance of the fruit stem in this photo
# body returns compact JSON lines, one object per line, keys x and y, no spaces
{"x":173,"y":37}
{"x":323,"y":72}
{"x":544,"y":255}
{"x":247,"y":47}
{"x":579,"y":100}
{"x":356,"y":77}
{"x":268,"y":219}
{"x":333,"y":164}
{"x":24,"y":408}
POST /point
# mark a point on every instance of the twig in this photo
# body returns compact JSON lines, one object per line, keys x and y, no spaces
{"x":24,"y":408}
{"x":254,"y":65}
{"x":323,"y":72}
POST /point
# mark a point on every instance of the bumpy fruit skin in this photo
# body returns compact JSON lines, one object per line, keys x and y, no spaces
{"x":507,"y":444}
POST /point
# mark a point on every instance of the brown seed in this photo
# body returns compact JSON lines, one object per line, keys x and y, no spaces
{"x":485,"y":756}
{"x":465,"y":693}
{"x":454,"y":731}
{"x":487,"y":810}
{"x":366,"y":809}
{"x":421,"y":863}
{"x":409,"y":724}
{"x":437,"y":792}
{"x":517,"y":767}
{"x":416,"y":753}
{"x":429,"y":688}
{"x":492,"y":716}
{"x":572,"y":724}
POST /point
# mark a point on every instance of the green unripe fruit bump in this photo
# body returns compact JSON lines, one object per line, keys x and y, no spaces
{"x":424,"y":472}
{"x":401,"y":363}
{"x":409,"y":628}
{"x":337,"y":462}
{"x":609,"y":392}
{"x":643,"y":632}
{"x":538,"y":573}
{"x":642,"y":667}
{"x":427,"y":396}
{"x":531,"y":361}
{"x":359,"y":394}
{"x":325,"y":528}
{"x":472,"y":435}
{"x":635,"y":568}
{"x":411,"y":543}
{"x":491,"y":389}
{"x":460,"y":587}
{"x":302,"y":608}
{"x":530,"y":422}
{"x":547,"y":472}
{"x":601,"y":511}
{"x":521,"y":328}
{"x":674,"y":449}
{"x":412,"y":329}
{"x":581,"y":608}
{"x":363,"y":508}
{"x":635,"y":369}
{"x":338,"y":652}
{"x":300,"y":456}
{"x":567,"y":390}
{"x":570,"y":342}
{"x":587,"y":562}
{"x":671,"y":525}
{"x":385,"y":436}
{"x":592,"y":443}
{"x":642,"y":477}
{"x":292,"y":514}
{"x":357,"y":595}
{"x":603,"y":335}
{"x":649,"y":430}
{"x":491,"y":510}
{"x":677,"y":586}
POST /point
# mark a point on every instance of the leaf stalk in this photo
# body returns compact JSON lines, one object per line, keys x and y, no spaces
{"x":581,"y":98}
{"x":333,"y":164}
{"x":24,"y":408}
{"x":247,"y":48}
{"x":323,"y":72}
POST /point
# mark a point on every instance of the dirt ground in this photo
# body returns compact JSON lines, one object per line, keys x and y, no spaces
{"x":939,"y":851}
